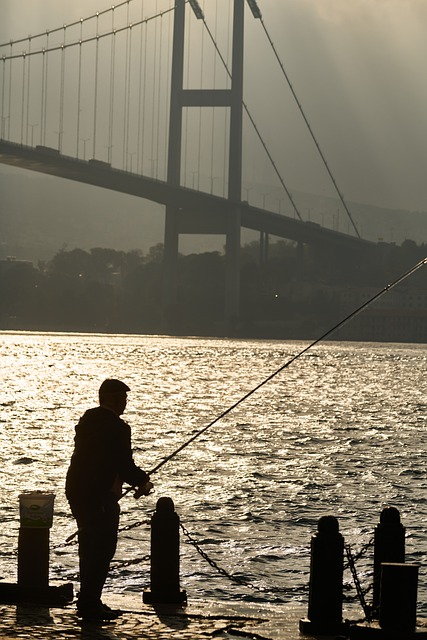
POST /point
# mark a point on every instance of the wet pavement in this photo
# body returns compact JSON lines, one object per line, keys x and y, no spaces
{"x":199,"y":619}
{"x":196,"y":620}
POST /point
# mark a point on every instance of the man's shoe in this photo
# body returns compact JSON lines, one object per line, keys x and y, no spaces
{"x":114,"y":612}
{"x":96,"y":614}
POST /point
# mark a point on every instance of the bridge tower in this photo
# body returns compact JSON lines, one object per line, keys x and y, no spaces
{"x":230,"y":98}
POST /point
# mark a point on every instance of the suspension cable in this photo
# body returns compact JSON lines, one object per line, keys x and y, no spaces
{"x":257,"y":131}
{"x":71,"y":24}
{"x":76,"y":43}
{"x":337,"y":189}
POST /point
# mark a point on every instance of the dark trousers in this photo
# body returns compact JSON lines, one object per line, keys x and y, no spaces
{"x":98,"y":525}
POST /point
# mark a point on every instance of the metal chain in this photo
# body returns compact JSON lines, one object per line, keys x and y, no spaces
{"x":240,"y":581}
{"x":121,"y":564}
{"x":134,"y":525}
{"x":367,"y":609}
{"x":127,"y":527}
{"x":361,"y":553}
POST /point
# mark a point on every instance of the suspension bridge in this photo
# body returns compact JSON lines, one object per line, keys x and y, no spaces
{"x":146,"y":98}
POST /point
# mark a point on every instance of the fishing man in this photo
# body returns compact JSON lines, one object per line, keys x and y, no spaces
{"x":102,"y":460}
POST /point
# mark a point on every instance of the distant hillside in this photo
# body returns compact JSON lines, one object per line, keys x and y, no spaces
{"x":40,"y":214}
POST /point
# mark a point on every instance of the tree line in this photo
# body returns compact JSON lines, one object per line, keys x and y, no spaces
{"x":293,"y":294}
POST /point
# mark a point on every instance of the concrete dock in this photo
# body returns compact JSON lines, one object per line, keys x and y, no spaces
{"x":197,"y":620}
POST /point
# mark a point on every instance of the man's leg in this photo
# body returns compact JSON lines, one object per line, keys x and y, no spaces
{"x":97,"y":544}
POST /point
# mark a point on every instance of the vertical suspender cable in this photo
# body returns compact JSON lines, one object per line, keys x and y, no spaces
{"x":45,"y":91}
{"x":129,"y":97}
{"x":138,"y":137}
{"x":112,"y":79}
{"x":61,"y":94}
{"x":202,"y":59}
{"x":95,"y":98}
{"x":28,"y":90}
{"x":42,"y":104}
{"x":124,"y":158}
{"x":185,"y":155}
{"x":3,"y":83}
{"x":214,"y":87}
{"x":159,"y":96}
{"x":23,"y":96}
{"x":79,"y":88}
{"x":227,"y":111}
{"x":167,"y":100}
{"x":153,"y":106}
{"x":144,"y":102}
{"x":10,"y":91}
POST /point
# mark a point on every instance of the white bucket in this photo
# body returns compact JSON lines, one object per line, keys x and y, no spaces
{"x":36,"y":509}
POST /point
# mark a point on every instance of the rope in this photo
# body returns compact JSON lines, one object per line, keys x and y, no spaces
{"x":341,"y":197}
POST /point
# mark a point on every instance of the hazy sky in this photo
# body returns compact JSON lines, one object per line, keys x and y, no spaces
{"x":358,"y":68}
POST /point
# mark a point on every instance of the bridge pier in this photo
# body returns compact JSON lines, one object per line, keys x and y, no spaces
{"x":170,"y":259}
{"x":232,"y":268}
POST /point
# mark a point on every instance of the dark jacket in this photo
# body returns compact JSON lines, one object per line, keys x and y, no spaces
{"x":102,"y":452}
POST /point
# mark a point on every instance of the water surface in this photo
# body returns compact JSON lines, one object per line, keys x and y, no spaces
{"x":340,"y":431}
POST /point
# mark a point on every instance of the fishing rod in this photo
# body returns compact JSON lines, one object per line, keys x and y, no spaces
{"x":337,"y":326}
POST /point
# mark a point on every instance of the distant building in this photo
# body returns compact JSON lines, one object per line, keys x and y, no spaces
{"x":398,"y":316}
{"x":12,"y":263}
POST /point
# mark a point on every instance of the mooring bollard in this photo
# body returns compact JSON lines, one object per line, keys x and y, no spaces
{"x":326,"y":580}
{"x":36,"y":516}
{"x":389,"y":546}
{"x":164,"y":568}
{"x":398,"y":598}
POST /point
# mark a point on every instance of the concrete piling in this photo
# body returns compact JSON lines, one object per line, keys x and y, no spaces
{"x":326,"y":580}
{"x":36,"y":518}
{"x":398,"y":598}
{"x":389,"y":546}
{"x":164,"y":568}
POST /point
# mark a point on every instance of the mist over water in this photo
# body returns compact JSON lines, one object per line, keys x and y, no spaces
{"x":341,"y":431}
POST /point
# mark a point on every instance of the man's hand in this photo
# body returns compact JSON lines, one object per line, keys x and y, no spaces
{"x":144,"y":490}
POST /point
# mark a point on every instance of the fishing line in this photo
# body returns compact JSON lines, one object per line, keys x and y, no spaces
{"x":289,"y":362}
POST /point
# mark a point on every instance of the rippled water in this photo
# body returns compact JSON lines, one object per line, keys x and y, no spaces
{"x":341,"y":431}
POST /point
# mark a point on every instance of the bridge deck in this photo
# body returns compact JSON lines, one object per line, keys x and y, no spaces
{"x":198,"y":212}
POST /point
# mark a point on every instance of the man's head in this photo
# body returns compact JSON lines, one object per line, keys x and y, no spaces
{"x":113,"y":394}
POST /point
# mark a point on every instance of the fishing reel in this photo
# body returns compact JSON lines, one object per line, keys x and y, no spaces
{"x":144,"y":490}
